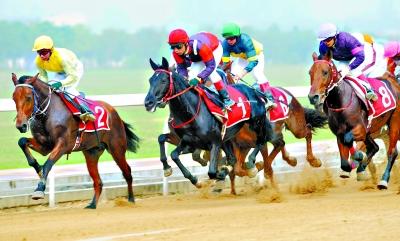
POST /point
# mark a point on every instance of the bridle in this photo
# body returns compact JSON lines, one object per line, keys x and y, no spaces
{"x":36,"y":106}
{"x":333,"y":82}
{"x":170,"y":95}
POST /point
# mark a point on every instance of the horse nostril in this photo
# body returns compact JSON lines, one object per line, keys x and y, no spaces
{"x":313,"y":99}
{"x":149,"y":102}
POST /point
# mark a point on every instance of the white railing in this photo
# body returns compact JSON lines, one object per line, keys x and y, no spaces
{"x":137,"y":99}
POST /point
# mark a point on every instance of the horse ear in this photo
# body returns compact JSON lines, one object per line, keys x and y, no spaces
{"x":33,"y":79}
{"x":154,"y":66}
{"x":314,"y":56}
{"x":14,"y":78}
{"x":165,"y":64}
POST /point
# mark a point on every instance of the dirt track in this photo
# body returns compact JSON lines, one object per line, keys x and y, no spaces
{"x":312,"y":206}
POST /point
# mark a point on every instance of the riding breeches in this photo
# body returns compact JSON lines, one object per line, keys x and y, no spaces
{"x":238,"y":64}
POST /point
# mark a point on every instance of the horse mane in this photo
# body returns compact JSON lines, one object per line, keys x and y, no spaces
{"x":23,"y":79}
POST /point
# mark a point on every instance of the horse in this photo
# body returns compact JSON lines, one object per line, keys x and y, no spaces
{"x":55,"y":131}
{"x":301,"y":121}
{"x":348,"y":117}
{"x":198,"y":128}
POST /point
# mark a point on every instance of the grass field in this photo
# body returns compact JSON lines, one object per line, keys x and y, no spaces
{"x":147,"y":125}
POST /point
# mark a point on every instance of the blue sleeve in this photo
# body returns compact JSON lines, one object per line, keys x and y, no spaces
{"x":360,"y":57}
{"x":250,"y":51}
{"x":226,"y":49}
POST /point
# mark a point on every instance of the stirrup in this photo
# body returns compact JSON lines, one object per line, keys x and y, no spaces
{"x":371,"y":96}
{"x":87,"y":116}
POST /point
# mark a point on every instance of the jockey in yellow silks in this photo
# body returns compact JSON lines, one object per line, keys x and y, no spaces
{"x":66,"y":65}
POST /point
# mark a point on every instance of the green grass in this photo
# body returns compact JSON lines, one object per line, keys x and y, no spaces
{"x":147,"y":125}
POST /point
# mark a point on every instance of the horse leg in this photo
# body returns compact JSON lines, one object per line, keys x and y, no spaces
{"x":232,"y":179}
{"x":186,"y":173}
{"x":292,"y":161}
{"x":59,"y":149}
{"x":344,"y":159}
{"x":314,"y":162}
{"x":213,"y":168}
{"x":196,"y":156}
{"x":371,"y":149}
{"x":163,"y":157}
{"x":240,"y":154}
{"x":278,"y":144}
{"x":118,"y":155}
{"x":392,"y":153}
{"x":92,"y":158}
{"x":24,"y":143}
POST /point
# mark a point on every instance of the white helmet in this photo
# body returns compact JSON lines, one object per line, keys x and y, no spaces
{"x":326,"y":30}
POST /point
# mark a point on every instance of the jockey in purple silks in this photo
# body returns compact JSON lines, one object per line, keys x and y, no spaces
{"x":392,"y":53}
{"x":357,"y":54}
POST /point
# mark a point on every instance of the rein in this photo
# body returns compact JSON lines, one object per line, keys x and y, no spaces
{"x":170,"y":96}
{"x":36,"y":107}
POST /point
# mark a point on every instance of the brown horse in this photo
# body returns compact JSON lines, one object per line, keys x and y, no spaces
{"x":301,"y":122}
{"x":348,"y":117}
{"x":55,"y":132}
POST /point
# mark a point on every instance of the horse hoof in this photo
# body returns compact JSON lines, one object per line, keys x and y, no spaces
{"x":219,"y":186}
{"x":259,"y":166}
{"x":227,"y":168}
{"x":37,"y":195}
{"x":362,"y":176}
{"x":315,"y":162}
{"x":344,"y":174}
{"x":292,"y":161}
{"x":252,"y":172}
{"x":90,"y":206}
{"x":382,"y":185}
{"x":167,"y":172}
{"x":205,"y":183}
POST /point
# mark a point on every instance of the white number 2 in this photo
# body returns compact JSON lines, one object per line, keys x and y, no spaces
{"x":386,"y":101}
{"x":99,"y":109}
{"x":241,"y":105}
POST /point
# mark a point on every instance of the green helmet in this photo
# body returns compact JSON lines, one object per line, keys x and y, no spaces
{"x":230,"y":30}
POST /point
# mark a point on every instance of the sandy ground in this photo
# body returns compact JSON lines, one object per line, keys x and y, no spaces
{"x":313,"y":205}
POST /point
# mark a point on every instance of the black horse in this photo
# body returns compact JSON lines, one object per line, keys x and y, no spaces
{"x":198,"y":128}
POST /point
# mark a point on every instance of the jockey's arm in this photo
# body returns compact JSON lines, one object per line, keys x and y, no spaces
{"x":207,"y":56}
{"x":251,"y":53}
{"x":226,"y":55}
{"x":71,"y":71}
{"x":359,"y":56}
{"x":43,"y":75}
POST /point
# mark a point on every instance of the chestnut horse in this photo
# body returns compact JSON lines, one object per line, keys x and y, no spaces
{"x":55,"y":131}
{"x":348,"y":117}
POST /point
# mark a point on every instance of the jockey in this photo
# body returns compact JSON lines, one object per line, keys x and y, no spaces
{"x":357,"y":54}
{"x":65,"y":64}
{"x":247,"y":56}
{"x":201,"y":52}
{"x":392,"y":52}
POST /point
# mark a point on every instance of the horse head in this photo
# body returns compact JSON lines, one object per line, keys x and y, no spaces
{"x":162,"y":85}
{"x":24,"y":98}
{"x":324,"y":76}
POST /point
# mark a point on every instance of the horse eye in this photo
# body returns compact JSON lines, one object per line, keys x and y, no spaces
{"x":325,"y":73}
{"x":28,"y":98}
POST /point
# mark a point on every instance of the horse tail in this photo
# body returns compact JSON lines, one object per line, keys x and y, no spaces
{"x":132,"y":140}
{"x":315,"y":118}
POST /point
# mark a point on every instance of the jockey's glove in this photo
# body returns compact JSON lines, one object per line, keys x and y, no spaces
{"x":56,"y":85}
{"x":195,"y":81}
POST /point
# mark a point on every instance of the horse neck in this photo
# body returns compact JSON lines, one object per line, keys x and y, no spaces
{"x":186,"y":104}
{"x":41,"y":89}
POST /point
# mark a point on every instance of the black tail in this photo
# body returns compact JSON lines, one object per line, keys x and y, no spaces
{"x":132,"y":140}
{"x":315,"y":118}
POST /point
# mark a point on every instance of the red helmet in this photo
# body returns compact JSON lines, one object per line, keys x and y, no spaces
{"x":178,"y":36}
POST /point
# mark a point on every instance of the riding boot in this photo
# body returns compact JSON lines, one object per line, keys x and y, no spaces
{"x":371,"y":95}
{"x":87,"y":114}
{"x":225,"y":98}
{"x":270,"y":103}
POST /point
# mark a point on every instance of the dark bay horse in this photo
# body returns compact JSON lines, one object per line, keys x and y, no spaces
{"x":348,"y":117}
{"x":55,"y":131}
{"x":199,"y":129}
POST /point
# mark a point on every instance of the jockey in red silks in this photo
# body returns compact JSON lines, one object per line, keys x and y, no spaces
{"x":392,"y":53}
{"x":357,"y":54}
{"x":247,"y":56}
{"x":201,"y":52}
{"x":68,"y":69}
